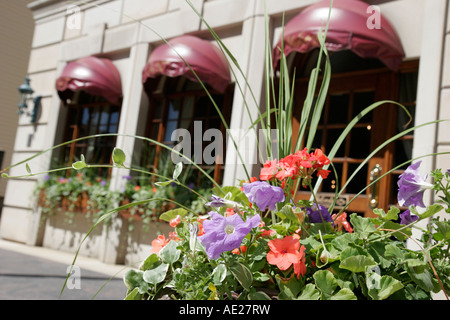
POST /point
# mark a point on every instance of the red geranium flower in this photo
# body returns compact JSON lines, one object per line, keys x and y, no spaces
{"x":287,"y":252}
{"x":269,"y":171}
{"x":175,"y":221}
{"x":341,"y":222}
{"x":159,"y":243}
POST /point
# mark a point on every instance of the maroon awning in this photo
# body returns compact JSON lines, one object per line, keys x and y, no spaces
{"x":348,"y":30}
{"x":205,"y":58}
{"x":96,"y":76}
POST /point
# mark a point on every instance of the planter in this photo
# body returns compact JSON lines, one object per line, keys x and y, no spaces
{"x":137,"y":212}
{"x":81,"y":204}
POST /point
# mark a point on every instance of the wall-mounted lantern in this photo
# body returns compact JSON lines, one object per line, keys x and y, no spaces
{"x":25,"y":94}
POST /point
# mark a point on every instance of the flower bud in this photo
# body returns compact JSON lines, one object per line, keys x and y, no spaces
{"x":300,"y":214}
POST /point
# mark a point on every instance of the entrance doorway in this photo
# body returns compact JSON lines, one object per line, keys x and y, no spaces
{"x":351,"y":90}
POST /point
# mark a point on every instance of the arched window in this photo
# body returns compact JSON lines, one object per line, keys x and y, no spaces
{"x":89,"y":115}
{"x":91,"y":91}
{"x":179,"y":103}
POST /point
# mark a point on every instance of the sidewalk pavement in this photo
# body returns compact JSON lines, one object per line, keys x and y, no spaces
{"x":37,"y":273}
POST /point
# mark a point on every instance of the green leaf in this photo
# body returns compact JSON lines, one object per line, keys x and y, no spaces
{"x":27,"y":167}
{"x":169,"y":253}
{"x":79,"y":164}
{"x":134,"y":279}
{"x":377,"y":252}
{"x":424,"y":280}
{"x":392,"y":214}
{"x":157,"y":274}
{"x":309,"y":293}
{"x":310,"y":244}
{"x":177,"y":171}
{"x":233,"y":193}
{"x":393,"y":251}
{"x":443,"y":227}
{"x":118,"y":156}
{"x":172,"y":214}
{"x":341,"y":242}
{"x":258,"y":295}
{"x":413,"y":292}
{"x":287,"y":213}
{"x":326,"y":283}
{"x":134,"y":295}
{"x":417,"y":265}
{"x":402,"y":235}
{"x":357,"y":263}
{"x":352,"y":250}
{"x":361,"y":225}
{"x":289,"y":288}
{"x":430,"y":210}
{"x":149,"y":261}
{"x":344,"y":294}
{"x":242,"y":274}
{"x":163,"y":183}
{"x":219,"y":274}
{"x":385,"y":287}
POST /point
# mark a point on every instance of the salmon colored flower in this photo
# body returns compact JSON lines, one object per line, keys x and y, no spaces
{"x":173,"y":236}
{"x":201,"y":231}
{"x":239,"y":250}
{"x":229,"y":212}
{"x":269,"y":170}
{"x":321,"y":159}
{"x":267,"y":233}
{"x":323,"y":173}
{"x":287,"y":252}
{"x":300,"y":164}
{"x":341,"y":222}
{"x":175,"y":221}
{"x":159,"y":243}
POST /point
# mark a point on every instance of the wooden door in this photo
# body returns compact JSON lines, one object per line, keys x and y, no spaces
{"x":348,"y":95}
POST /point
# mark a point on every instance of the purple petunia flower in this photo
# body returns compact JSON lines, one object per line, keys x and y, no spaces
{"x":215,"y":202}
{"x":218,"y":202}
{"x":263,"y":194}
{"x":225,"y":233}
{"x":407,"y":218}
{"x":411,"y":187}
{"x":319,"y":215}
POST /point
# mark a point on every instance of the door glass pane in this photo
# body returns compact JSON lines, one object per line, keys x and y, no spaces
{"x":330,"y":140}
{"x":171,"y":126}
{"x":362,"y":100}
{"x":337,"y":110}
{"x":359,"y":181}
{"x":360,"y":143}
